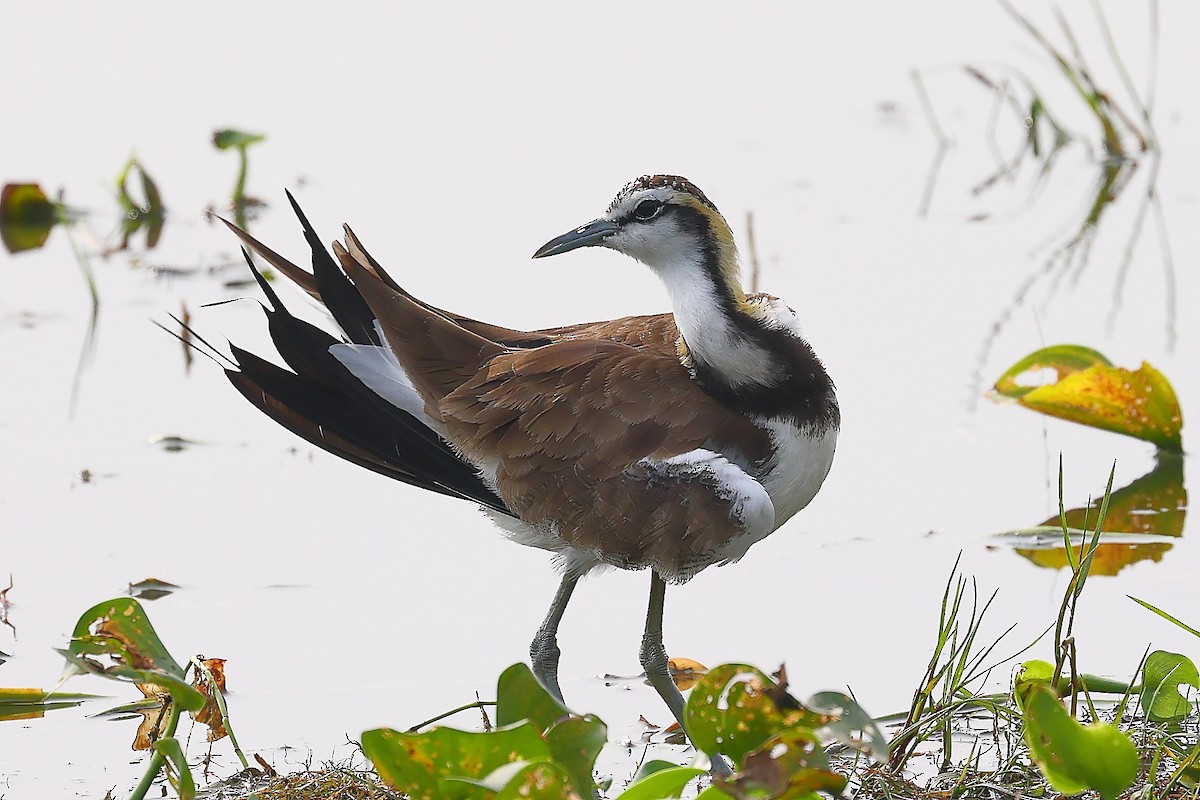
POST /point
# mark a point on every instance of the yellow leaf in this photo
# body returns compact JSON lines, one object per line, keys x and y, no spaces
{"x":1139,"y":403}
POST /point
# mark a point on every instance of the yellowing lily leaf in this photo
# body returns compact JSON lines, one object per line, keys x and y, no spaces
{"x":1091,"y":391}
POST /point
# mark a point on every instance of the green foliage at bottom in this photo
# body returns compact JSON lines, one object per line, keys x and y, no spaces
{"x":545,"y":751}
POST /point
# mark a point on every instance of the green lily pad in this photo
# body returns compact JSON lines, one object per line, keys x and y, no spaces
{"x":1076,"y":757}
{"x":115,"y":640}
{"x":445,"y":764}
{"x":1091,"y":391}
{"x":1162,"y":676}
{"x":575,"y":742}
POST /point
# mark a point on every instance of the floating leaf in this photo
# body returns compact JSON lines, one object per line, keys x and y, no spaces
{"x":115,"y":639}
{"x":441,"y":763}
{"x":574,"y":741}
{"x":1076,"y":757}
{"x":1091,"y":391}
{"x":1064,"y":359}
{"x":26,"y":216}
{"x":685,"y":672}
{"x":1162,"y":676}
{"x":151,"y":589}
{"x":21,"y":703}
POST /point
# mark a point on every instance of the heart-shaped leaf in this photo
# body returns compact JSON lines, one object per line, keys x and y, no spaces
{"x":1162,"y":676}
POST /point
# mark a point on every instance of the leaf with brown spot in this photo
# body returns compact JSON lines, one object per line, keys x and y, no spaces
{"x":115,"y":640}
{"x":735,"y":708}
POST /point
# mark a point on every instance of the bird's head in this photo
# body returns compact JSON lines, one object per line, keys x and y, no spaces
{"x":666,"y":223}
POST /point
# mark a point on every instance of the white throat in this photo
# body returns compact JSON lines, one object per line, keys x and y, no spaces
{"x":711,"y":335}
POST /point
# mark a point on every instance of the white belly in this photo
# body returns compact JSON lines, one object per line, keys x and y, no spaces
{"x":801,"y":462}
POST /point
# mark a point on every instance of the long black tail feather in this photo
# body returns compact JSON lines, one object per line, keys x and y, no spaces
{"x":337,"y":292}
{"x":324,"y":403}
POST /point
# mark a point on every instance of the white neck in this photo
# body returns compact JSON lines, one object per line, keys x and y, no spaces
{"x":706,"y":325}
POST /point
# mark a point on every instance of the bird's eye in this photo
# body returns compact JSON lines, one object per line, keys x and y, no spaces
{"x":647,"y":209}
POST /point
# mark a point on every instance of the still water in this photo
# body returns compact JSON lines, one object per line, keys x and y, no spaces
{"x":456,"y":140}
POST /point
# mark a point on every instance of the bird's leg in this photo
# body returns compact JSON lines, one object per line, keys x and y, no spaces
{"x":654,"y":661}
{"x":544,"y":652}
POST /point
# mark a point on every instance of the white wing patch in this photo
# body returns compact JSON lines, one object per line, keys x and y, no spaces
{"x":750,"y":505}
{"x":379,"y":369}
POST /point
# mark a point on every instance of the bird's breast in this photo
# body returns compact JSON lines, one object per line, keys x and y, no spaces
{"x":801,"y":457}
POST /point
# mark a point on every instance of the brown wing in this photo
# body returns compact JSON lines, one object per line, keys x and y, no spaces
{"x":578,"y":430}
